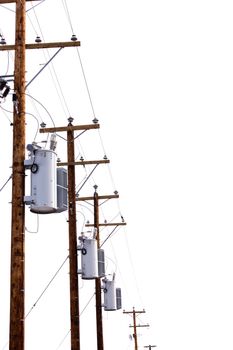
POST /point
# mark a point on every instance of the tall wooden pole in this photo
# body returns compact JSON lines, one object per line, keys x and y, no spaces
{"x":99,"y":321}
{"x":74,"y":292}
{"x":18,"y":186}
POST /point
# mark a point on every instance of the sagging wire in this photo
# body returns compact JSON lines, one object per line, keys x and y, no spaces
{"x":83,"y":206}
{"x":62,"y":341}
{"x":9,"y":53}
{"x":8,"y":62}
{"x":68,"y":14}
{"x":38,"y":126}
{"x":83,"y":153}
{"x":79,"y":57}
{"x":133,"y":270}
{"x":32,"y":24}
{"x":54,"y":75}
{"x":5,"y":110}
{"x":35,"y":107}
{"x":84,"y":218}
{"x":40,"y":296}
{"x":42,"y":107}
{"x":113,"y":262}
{"x":37,"y":226}
{"x":85,"y":80}
{"x":87,"y":304}
{"x":26,"y":113}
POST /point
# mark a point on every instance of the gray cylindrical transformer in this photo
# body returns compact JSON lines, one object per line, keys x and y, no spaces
{"x":44,"y":182}
{"x":89,"y":259}
{"x":109,"y":296}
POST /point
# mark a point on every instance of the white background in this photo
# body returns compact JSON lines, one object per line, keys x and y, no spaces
{"x":160,"y":78}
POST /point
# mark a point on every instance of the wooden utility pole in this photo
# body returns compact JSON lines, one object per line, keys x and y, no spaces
{"x":150,"y":346}
{"x":17,"y":280}
{"x":17,"y":284}
{"x":98,"y":294}
{"x":18,"y":186}
{"x":135,"y":326}
{"x":73,"y":259}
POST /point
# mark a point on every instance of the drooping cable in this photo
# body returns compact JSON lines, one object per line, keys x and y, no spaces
{"x":62,"y":341}
{"x":47,"y":286}
{"x":42,"y":107}
{"x":37,"y":226}
{"x":7,"y":8}
{"x":133,"y":270}
{"x":37,"y":130}
{"x":53,"y":73}
{"x":4,"y":112}
{"x":67,"y":12}
{"x":33,"y":102}
{"x":88,"y":91}
{"x":64,"y":338}
{"x":32,"y":24}
{"x":8,"y":62}
{"x":85,"y":80}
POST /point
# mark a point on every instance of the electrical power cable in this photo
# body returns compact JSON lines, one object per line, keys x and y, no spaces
{"x":37,"y":226}
{"x":47,"y":286}
{"x":42,"y":107}
{"x":53,"y":73}
{"x":64,"y":338}
{"x":67,"y":12}
{"x":4,"y":112}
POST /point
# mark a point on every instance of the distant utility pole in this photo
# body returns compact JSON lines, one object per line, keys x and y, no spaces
{"x":135,"y":326}
{"x":150,"y":346}
{"x":97,"y":224}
